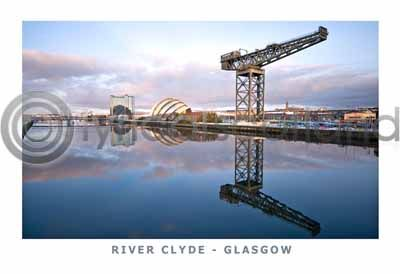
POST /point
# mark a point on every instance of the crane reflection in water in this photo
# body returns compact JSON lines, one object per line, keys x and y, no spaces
{"x":248,"y":180}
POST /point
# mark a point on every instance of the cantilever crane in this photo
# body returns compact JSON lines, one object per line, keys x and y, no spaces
{"x":250,"y":77}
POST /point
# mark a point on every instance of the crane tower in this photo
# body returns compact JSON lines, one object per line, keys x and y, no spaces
{"x":250,"y":76}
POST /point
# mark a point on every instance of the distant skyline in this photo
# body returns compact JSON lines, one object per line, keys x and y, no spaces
{"x":86,"y":62}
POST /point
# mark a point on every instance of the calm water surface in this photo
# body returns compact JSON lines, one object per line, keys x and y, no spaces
{"x":179,"y":184}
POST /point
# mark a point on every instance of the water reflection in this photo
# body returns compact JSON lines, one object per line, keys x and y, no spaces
{"x":173,"y":137}
{"x":249,"y":160}
{"x":123,"y":135}
{"x":249,"y":181}
{"x":175,"y":177}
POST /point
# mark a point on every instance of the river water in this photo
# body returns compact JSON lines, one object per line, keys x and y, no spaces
{"x":116,"y":182}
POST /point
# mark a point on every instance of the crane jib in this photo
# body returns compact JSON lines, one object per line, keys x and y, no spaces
{"x":273,"y":52}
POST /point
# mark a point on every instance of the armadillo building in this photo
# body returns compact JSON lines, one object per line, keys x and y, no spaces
{"x":168,"y":109}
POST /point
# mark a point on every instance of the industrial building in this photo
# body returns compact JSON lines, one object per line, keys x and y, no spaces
{"x":122,"y":106}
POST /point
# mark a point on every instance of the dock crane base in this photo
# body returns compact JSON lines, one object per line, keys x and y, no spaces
{"x":250,"y":83}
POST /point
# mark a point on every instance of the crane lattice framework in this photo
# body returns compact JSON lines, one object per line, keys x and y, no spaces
{"x":249,"y":182}
{"x":249,"y":162}
{"x":250,"y":77}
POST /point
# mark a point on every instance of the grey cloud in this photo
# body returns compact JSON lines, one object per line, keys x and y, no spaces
{"x":41,"y":65}
{"x":88,"y":82}
{"x":335,"y":86}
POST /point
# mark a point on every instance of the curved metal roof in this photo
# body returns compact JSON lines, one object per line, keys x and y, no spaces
{"x":168,"y":107}
{"x":166,"y":137}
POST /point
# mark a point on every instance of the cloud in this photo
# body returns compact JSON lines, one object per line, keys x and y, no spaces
{"x":89,"y":82}
{"x":41,"y":65}
{"x":326,"y":85}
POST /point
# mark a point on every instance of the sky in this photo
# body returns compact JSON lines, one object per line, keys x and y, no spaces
{"x":86,"y":62}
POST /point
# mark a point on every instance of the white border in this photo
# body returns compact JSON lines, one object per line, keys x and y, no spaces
{"x":94,"y":256}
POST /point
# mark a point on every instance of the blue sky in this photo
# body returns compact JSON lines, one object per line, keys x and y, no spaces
{"x":85,"y":62}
